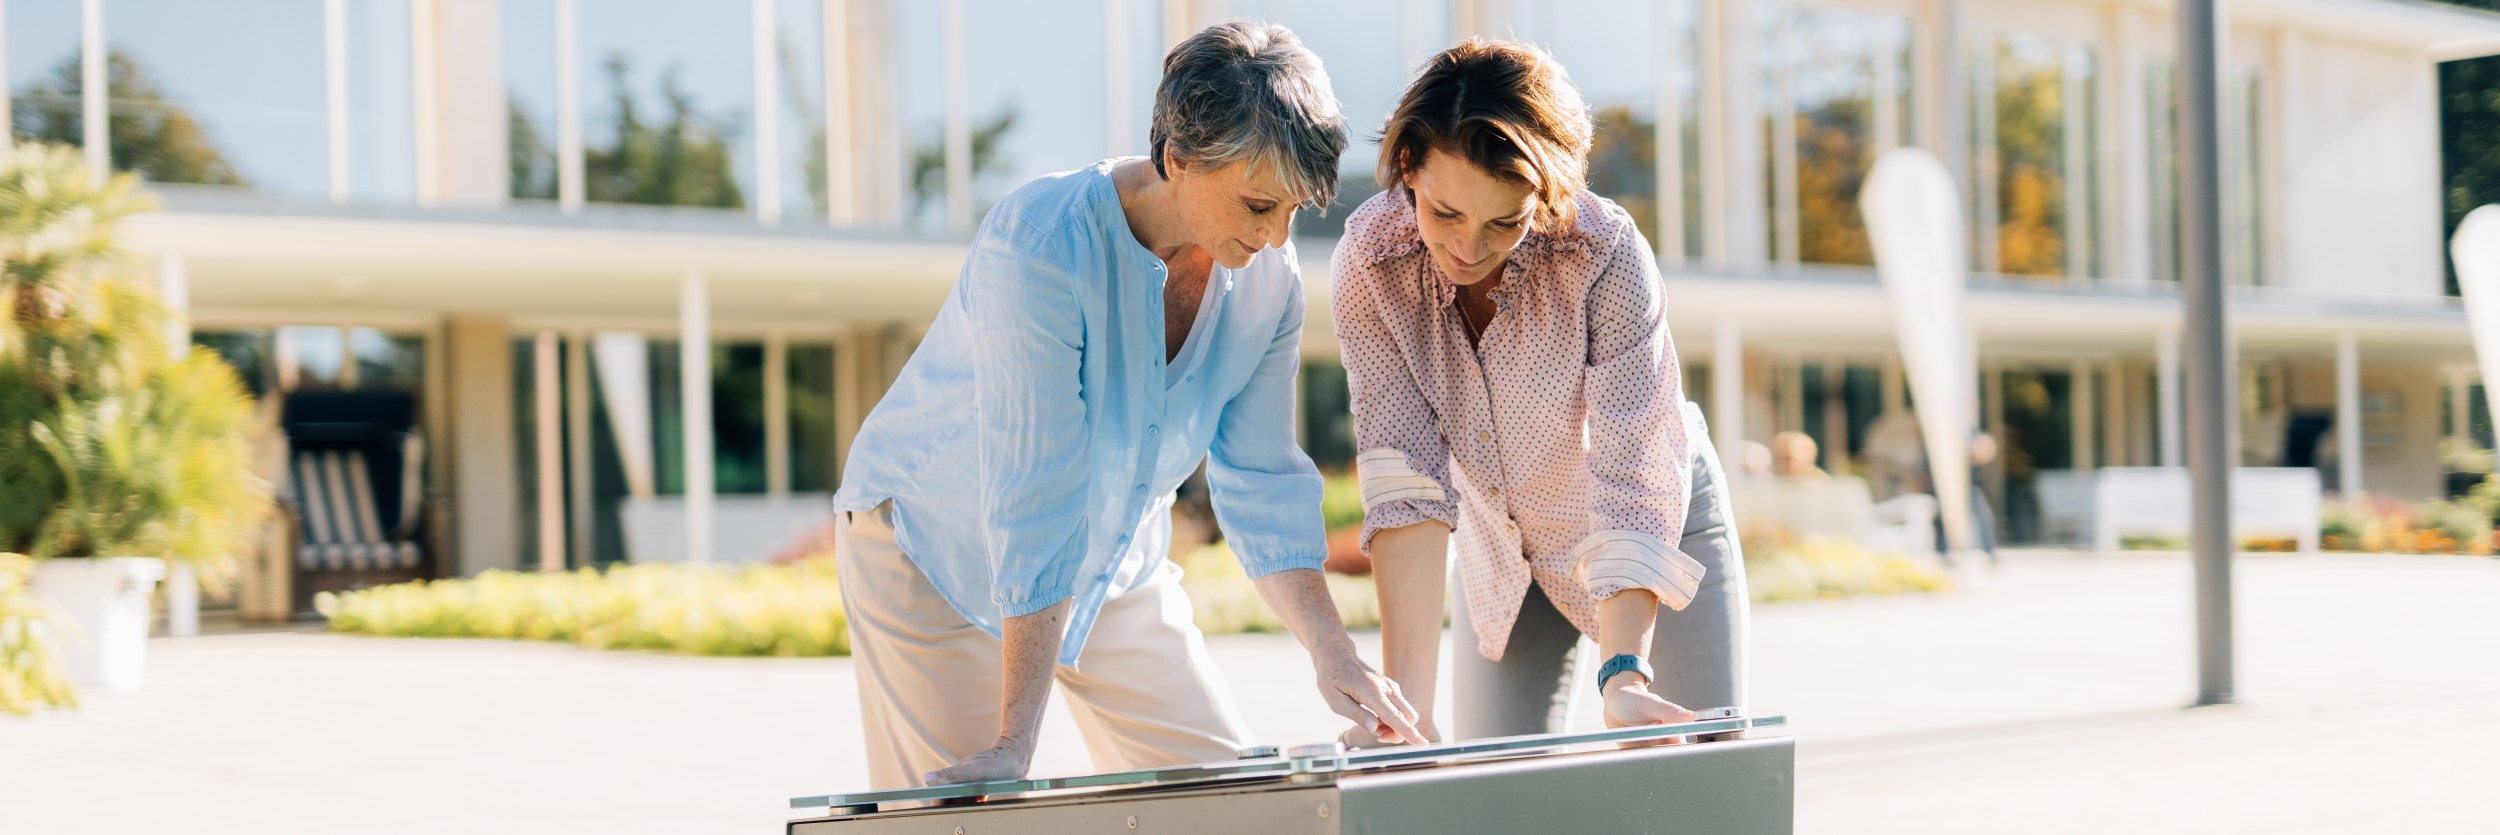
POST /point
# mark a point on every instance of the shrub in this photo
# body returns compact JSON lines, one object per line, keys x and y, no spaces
{"x":779,"y":610}
{"x":30,"y":678}
{"x":1824,"y":568}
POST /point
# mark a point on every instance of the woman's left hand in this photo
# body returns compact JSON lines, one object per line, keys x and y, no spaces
{"x":1630,"y":704}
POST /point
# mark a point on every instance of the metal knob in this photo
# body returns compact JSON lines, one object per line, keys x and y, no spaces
{"x":1315,"y":750}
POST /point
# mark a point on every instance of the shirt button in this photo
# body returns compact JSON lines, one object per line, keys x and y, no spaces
{"x":1495,"y":492}
{"x":1189,"y":378}
{"x":1124,"y":539}
{"x":1484,"y":436}
{"x":1141,"y":489}
{"x":1152,"y":431}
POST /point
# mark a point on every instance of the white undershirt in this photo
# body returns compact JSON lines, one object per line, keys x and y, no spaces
{"x":1217,"y":279}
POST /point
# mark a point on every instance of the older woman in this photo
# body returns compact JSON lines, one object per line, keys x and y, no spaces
{"x":1007,"y":505}
{"x":1513,"y":382}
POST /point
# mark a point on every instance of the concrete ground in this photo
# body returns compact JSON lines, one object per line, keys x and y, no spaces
{"x":2045,"y":696}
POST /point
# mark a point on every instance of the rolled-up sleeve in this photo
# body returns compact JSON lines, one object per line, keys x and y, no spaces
{"x":1401,"y":462}
{"x":1265,"y":490}
{"x":1029,"y":337}
{"x":1639,"y":458}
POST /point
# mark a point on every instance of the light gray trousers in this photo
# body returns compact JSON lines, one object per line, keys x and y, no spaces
{"x":1699,"y":653}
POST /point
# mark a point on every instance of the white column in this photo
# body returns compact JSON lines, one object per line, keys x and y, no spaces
{"x":2126,"y":150}
{"x":425,"y":47}
{"x":1983,"y":150}
{"x":958,"y":122}
{"x":2082,"y":408}
{"x":694,"y":369}
{"x":841,"y":189}
{"x":577,"y":447}
{"x":1118,"y":135}
{"x":182,"y":585}
{"x":548,"y":403}
{"x":1727,"y":388}
{"x":2078,"y":166}
{"x":2166,"y":398}
{"x":570,"y":176}
{"x":334,"y":72}
{"x":766,"y":51}
{"x":2348,"y":438}
{"x":1669,"y":140}
{"x":777,"y":414}
{"x":1734,"y":212}
{"x":1787,"y":242}
{"x":93,"y":106}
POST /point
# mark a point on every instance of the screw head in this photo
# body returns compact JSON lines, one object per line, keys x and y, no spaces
{"x":1132,"y":821}
{"x":1323,"y":812}
{"x":959,"y":830}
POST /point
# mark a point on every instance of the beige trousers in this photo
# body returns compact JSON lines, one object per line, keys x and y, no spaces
{"x":929,"y":681}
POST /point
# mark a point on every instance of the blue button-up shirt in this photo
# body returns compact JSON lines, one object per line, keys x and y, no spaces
{"x":1032,"y":445}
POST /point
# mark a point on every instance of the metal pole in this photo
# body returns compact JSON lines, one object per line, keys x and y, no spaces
{"x":2209,"y":373}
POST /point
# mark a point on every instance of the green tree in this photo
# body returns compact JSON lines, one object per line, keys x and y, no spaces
{"x":928,"y":160}
{"x":533,"y":162}
{"x":681,"y":160}
{"x":150,"y":133}
{"x":1623,"y":164}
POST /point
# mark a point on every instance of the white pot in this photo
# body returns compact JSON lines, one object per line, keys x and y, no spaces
{"x":99,"y":623}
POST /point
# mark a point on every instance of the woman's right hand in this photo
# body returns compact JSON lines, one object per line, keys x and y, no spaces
{"x":1358,"y":737}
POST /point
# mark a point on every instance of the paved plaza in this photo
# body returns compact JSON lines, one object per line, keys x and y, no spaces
{"x":2044,"y":696}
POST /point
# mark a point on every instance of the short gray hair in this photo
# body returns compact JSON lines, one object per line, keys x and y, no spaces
{"x":1243,"y":91}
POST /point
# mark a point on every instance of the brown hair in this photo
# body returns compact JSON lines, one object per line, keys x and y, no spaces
{"x":1506,"y":107}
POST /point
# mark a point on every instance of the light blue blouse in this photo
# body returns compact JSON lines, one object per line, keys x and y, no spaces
{"x":1031,"y":446}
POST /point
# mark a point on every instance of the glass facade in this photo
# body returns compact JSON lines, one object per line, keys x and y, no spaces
{"x":528,"y":34}
{"x":668,"y":97}
{"x":1612,"y":50}
{"x":221,"y":93}
{"x":1847,"y":100}
{"x":2033,"y":171}
{"x":43,"y":54}
{"x":741,"y":426}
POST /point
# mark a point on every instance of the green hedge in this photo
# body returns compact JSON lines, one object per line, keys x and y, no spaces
{"x":796,"y":610}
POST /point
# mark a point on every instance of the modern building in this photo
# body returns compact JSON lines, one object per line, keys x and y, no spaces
{"x":652,"y":248}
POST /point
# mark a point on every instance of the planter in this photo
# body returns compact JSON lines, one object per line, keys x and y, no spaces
{"x":100,"y":628}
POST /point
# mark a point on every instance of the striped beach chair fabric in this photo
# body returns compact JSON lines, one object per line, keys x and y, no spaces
{"x":342,"y":530}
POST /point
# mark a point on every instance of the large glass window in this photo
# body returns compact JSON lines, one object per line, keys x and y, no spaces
{"x":2162,"y":105}
{"x":2242,"y":135}
{"x":1371,"y":51}
{"x":2243,"y":184}
{"x":2032,"y":170}
{"x":529,"y":78}
{"x":648,"y":385}
{"x":799,"y":147}
{"x":1611,"y":50}
{"x":814,"y":440}
{"x":1028,"y":118}
{"x":43,"y":55}
{"x":668,"y":97}
{"x":381,"y":102}
{"x":1846,"y":86}
{"x":920,"y":108}
{"x":232,"y":93}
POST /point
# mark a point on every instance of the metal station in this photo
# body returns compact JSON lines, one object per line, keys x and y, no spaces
{"x":1727,"y":777}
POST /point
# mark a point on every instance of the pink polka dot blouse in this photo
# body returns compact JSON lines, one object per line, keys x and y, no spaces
{"x":1556,"y":449}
